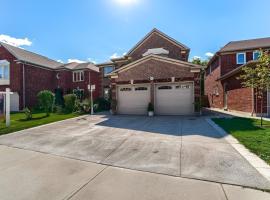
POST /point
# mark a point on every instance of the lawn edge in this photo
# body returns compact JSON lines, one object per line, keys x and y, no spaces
{"x":260,"y":165}
{"x":35,"y":127}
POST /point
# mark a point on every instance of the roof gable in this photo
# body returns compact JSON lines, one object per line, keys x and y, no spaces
{"x":161,"y":34}
{"x":158,"y":58}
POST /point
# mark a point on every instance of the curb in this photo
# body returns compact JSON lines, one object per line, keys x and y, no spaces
{"x":260,"y":165}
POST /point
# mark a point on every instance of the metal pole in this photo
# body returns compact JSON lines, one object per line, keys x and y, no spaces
{"x":92,"y":109}
{"x":7,"y":107}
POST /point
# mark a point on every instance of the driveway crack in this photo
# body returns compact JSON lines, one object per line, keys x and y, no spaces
{"x":81,"y":187}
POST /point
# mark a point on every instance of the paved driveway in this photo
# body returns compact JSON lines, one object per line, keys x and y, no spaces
{"x":178,"y":146}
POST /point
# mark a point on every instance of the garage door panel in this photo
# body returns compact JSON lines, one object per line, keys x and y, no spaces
{"x":174,"y":99}
{"x":133,"y":99}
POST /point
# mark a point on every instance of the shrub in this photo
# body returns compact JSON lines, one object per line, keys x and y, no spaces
{"x":102,"y":104}
{"x":46,"y":99}
{"x":70,"y":100}
{"x":150,"y":107}
{"x":28,"y":114}
{"x":59,"y":99}
{"x":86,"y":105}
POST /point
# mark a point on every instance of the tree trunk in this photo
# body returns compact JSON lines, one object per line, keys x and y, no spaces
{"x":262,"y":110}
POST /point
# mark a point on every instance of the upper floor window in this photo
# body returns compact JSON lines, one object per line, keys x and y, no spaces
{"x":78,"y":76}
{"x":256,"y":55}
{"x":4,"y":71}
{"x":241,"y":58}
{"x":108,"y":70}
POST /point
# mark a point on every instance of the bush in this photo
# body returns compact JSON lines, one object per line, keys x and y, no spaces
{"x":70,"y":100}
{"x":102,"y":104}
{"x":59,"y":99}
{"x":28,"y":114}
{"x":86,"y":105}
{"x":150,"y":107}
{"x":46,"y":99}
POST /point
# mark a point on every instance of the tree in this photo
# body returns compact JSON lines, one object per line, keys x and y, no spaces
{"x":199,"y":61}
{"x":256,"y":75}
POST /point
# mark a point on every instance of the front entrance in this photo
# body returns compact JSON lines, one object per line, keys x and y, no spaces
{"x":133,"y":99}
{"x":174,"y":99}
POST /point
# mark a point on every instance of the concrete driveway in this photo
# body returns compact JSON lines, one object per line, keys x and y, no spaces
{"x":186,"y":147}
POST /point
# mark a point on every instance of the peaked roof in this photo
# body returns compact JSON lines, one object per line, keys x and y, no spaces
{"x":78,"y":66}
{"x":161,"y":34}
{"x":246,"y":44}
{"x":156,"y":57}
{"x":30,"y":57}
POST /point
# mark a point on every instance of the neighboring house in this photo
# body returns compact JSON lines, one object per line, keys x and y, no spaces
{"x":222,"y":86}
{"x":27,"y":73}
{"x":155,"y":70}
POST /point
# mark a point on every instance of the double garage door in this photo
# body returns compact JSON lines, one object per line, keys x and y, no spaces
{"x":170,"y":99}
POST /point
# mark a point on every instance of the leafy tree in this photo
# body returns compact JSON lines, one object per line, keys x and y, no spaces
{"x":46,"y":99}
{"x":256,"y":75}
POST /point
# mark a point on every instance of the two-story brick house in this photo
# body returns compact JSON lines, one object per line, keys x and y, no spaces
{"x":26,"y":73}
{"x":222,"y":86}
{"x":155,"y":70}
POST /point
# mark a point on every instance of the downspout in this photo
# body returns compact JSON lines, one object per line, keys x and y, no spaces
{"x":252,"y":102}
{"x":23,"y":86}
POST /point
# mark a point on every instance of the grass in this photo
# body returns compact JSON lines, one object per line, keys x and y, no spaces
{"x":249,"y":133}
{"x":18,"y":121}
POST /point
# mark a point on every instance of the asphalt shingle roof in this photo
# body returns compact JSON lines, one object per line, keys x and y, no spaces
{"x":30,"y":57}
{"x":246,"y":44}
{"x":78,"y":66}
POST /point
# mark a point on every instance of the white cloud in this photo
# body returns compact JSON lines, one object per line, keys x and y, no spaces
{"x":196,"y":58}
{"x":92,"y":60}
{"x":209,"y":54}
{"x":76,"y":60}
{"x":17,"y":42}
{"x":61,"y":61}
{"x":116,"y":55}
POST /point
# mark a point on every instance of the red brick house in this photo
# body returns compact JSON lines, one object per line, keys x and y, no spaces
{"x":27,"y":73}
{"x":155,"y":70}
{"x":222,"y":87}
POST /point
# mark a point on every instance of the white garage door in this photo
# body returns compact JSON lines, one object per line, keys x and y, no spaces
{"x":133,"y":99}
{"x":174,"y":99}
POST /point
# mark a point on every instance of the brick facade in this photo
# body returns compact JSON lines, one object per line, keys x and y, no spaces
{"x":238,"y":98}
{"x":40,"y":78}
{"x":161,"y":71}
{"x":157,"y":41}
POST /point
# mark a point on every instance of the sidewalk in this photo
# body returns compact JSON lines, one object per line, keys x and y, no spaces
{"x":32,"y":175}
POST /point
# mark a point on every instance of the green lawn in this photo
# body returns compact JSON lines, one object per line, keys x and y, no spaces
{"x":249,"y":133}
{"x":18,"y":121}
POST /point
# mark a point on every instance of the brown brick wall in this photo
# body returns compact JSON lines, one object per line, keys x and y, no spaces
{"x":156,"y":41}
{"x":239,"y":98}
{"x":161,"y":71}
{"x":211,"y":85}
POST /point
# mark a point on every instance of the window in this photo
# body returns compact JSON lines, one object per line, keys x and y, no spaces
{"x":125,"y":89}
{"x":78,"y":76}
{"x":165,"y":87}
{"x":182,"y":87}
{"x":108,"y":70}
{"x":4,"y":72}
{"x":140,"y":88}
{"x":256,"y":55}
{"x":241,"y":58}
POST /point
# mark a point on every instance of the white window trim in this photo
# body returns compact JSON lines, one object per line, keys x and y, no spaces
{"x":81,"y":77}
{"x":254,"y":53}
{"x":245,"y":60}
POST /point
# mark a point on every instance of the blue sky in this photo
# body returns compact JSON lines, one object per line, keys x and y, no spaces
{"x":96,"y":30}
